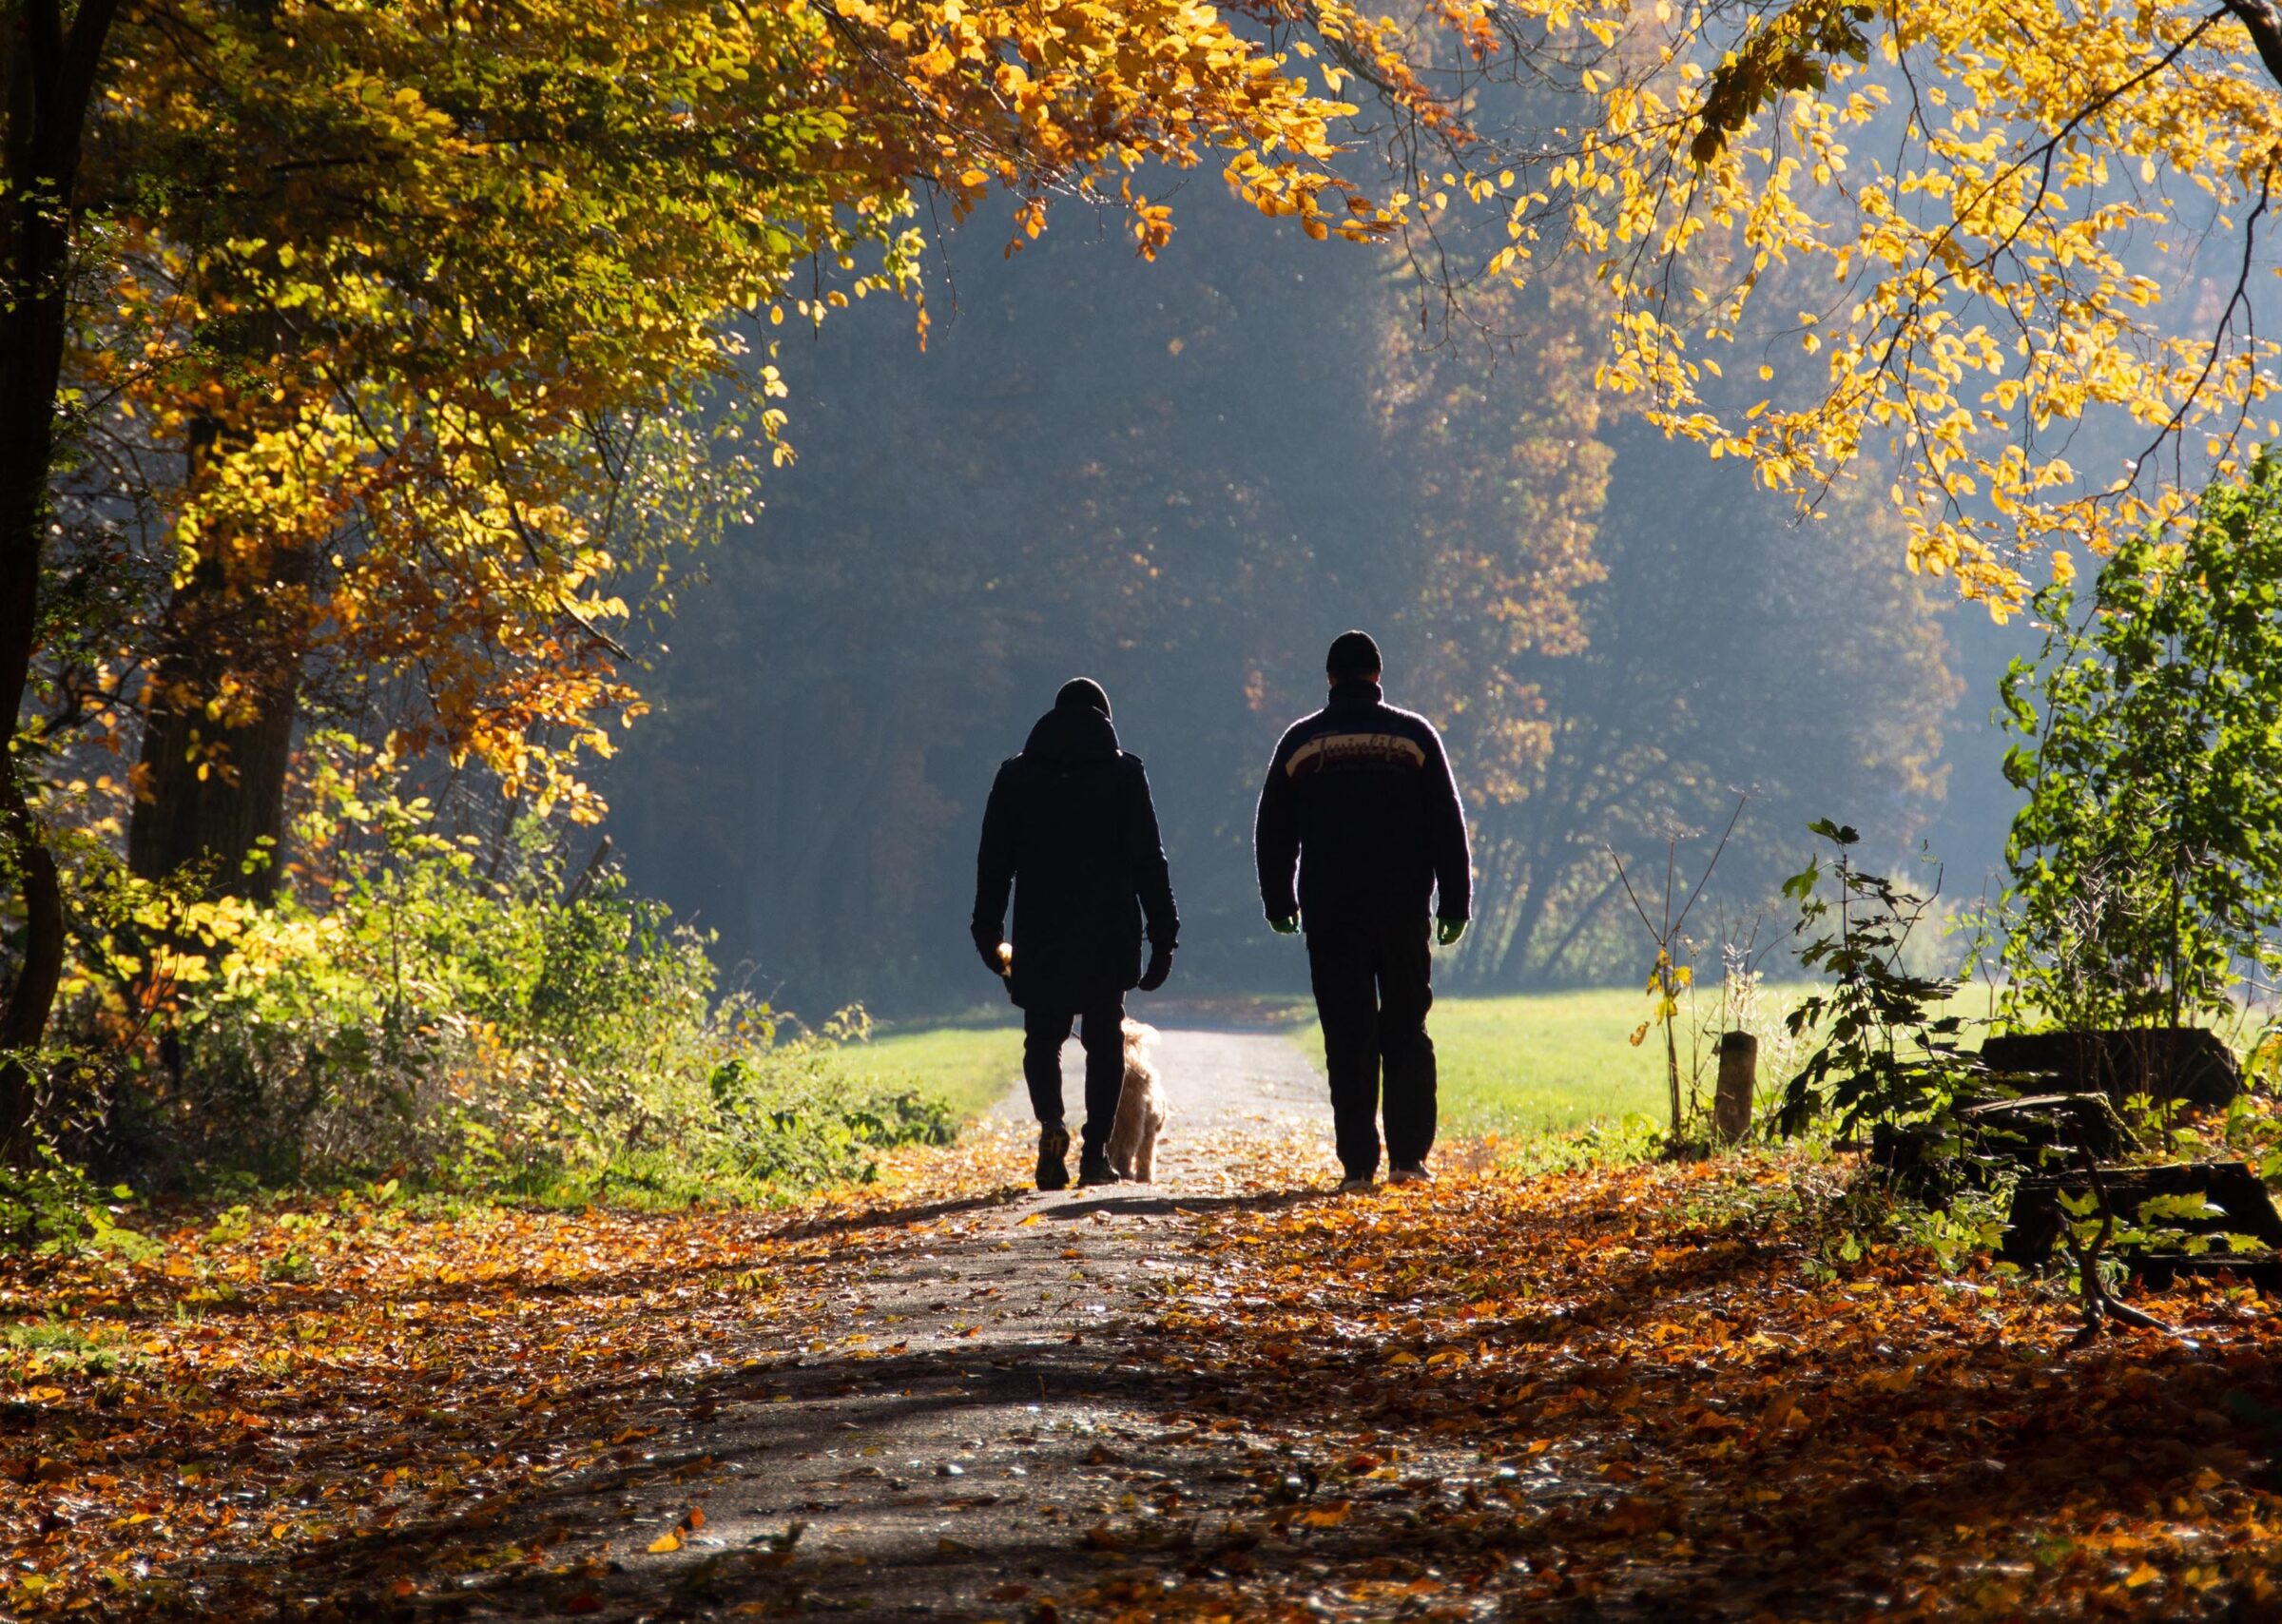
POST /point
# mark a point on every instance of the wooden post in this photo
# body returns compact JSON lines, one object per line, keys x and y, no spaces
{"x":1738,"y":1082}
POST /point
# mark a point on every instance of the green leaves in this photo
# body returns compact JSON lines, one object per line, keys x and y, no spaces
{"x":1885,"y":1056}
{"x":2147,"y":862}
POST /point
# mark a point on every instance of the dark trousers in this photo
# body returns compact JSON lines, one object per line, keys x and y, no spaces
{"x":1371,"y":981}
{"x":1101,"y":1030}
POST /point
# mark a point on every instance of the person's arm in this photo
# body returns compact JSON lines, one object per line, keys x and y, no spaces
{"x":1447,"y":836}
{"x":1153,"y":876}
{"x":1276,"y":838}
{"x":995,"y":866}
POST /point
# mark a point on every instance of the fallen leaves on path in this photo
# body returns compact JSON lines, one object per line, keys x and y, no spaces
{"x":341,"y":1380}
{"x":1632,"y":1387}
{"x":1634,"y":1391}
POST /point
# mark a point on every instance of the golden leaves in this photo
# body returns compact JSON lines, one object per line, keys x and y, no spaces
{"x":673,"y":1539}
{"x":299,"y":1376}
{"x":514,"y":268}
{"x":1671,"y":1384}
{"x":1992,"y":295}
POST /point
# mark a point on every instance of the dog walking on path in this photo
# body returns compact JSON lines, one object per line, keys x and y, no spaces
{"x":1141,"y":1110}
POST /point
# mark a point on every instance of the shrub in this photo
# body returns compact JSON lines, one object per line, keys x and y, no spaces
{"x":412,"y":1014}
{"x":48,"y":1204}
{"x":1886,"y":1056}
{"x":2147,"y":862}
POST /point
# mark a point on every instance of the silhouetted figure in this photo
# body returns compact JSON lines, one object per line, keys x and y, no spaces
{"x":1361,"y":799}
{"x":1071,"y":828}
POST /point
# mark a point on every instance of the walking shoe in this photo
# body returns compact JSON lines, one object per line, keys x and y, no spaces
{"x":1417,"y":1174}
{"x":1054,"y":1145}
{"x":1093,"y":1169}
{"x":1356,"y":1182}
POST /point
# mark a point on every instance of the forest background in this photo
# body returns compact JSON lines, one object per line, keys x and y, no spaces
{"x":437,"y":437}
{"x":1184,"y":478}
{"x":431,"y":440}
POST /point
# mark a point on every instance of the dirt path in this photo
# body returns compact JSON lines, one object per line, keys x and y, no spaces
{"x":1618,"y":1393}
{"x":976,"y":1426}
{"x":1215,"y":1081}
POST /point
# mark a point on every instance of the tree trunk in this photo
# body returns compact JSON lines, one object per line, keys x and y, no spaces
{"x":213,"y":791}
{"x":49,"y":73}
{"x":24,"y":1022}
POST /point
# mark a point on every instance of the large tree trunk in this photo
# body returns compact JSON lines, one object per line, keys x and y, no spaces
{"x":213,"y":790}
{"x":50,"y":81}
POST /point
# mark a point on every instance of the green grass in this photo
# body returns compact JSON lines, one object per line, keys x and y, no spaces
{"x":967,"y":1068}
{"x":55,"y":1347}
{"x":1509,"y":1064}
{"x":1515,"y":1066}
{"x":1538,"y":1062}
{"x":1512,"y":1066}
{"x":1547,"y":1061}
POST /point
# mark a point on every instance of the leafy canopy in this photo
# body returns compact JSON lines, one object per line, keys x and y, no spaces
{"x":2000,"y":253}
{"x":435,"y":294}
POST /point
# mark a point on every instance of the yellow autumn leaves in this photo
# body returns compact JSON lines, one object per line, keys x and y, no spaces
{"x":1048,"y":93}
{"x":447,"y":335}
{"x":2004,"y":261}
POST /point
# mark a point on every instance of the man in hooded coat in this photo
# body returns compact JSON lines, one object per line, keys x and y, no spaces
{"x":1071,"y":830}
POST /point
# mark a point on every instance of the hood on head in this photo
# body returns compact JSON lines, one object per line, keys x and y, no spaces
{"x":1085,"y":691}
{"x":1072,"y":733}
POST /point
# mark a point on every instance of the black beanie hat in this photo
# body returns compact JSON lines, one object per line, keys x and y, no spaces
{"x":1082,"y":691}
{"x":1353,"y":654}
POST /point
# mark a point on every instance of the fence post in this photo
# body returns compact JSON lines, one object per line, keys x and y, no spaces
{"x":1738,"y":1084}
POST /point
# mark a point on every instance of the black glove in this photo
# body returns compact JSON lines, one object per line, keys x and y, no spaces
{"x":1160,"y":966}
{"x":986,"y":943}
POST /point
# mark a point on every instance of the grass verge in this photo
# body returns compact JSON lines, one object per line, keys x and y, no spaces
{"x":1540,"y":1062}
{"x":966,"y":1068}
{"x":1514,"y":1066}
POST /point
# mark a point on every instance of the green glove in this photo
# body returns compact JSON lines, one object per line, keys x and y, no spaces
{"x":1448,"y":931}
{"x":1287,"y":925}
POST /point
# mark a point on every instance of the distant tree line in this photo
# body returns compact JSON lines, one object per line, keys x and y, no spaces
{"x":1183,"y":478}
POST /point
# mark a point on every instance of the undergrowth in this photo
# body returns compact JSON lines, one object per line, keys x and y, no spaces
{"x":452,"y":1021}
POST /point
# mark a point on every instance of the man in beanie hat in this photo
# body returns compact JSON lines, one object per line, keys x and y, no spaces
{"x":1071,"y":830}
{"x":1360,"y":800}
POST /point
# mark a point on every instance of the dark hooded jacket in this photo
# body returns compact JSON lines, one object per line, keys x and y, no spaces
{"x":1360,"y":799}
{"x":1070,"y":828}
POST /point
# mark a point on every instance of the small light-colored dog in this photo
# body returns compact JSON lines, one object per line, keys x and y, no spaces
{"x":1141,"y":1112}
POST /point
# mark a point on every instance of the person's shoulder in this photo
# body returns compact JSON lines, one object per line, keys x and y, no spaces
{"x":1410,"y":722}
{"x":1128,"y":762}
{"x":1302,"y":731}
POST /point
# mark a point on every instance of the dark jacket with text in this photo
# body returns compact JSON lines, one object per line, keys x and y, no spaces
{"x":1360,"y":800}
{"x":1071,"y":830}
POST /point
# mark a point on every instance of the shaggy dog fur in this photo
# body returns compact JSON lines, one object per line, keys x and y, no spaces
{"x":1141,"y":1111}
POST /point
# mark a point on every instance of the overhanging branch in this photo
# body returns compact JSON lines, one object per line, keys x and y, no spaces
{"x":2263,"y":22}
